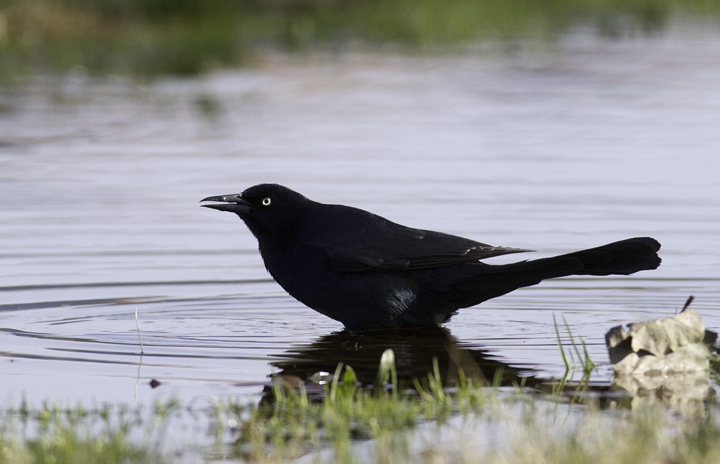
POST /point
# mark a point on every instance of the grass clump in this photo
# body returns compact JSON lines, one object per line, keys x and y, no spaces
{"x":55,"y":435}
{"x":647,"y":437}
{"x":292,"y":422}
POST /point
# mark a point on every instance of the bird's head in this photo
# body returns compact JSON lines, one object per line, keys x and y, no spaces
{"x":267,"y":209}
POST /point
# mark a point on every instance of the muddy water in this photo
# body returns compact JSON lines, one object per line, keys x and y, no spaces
{"x":554,"y":150}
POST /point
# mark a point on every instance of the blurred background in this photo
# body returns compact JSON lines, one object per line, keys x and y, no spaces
{"x":553,"y":125}
{"x":185,"y":37}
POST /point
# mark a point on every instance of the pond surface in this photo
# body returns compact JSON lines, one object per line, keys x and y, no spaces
{"x":593,"y":141}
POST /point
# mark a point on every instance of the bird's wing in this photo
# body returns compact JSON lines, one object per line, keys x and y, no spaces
{"x":376,"y":243}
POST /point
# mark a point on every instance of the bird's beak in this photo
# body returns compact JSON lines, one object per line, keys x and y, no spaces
{"x":232,"y":203}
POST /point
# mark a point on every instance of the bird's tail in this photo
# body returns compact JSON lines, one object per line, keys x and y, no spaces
{"x":624,"y":257}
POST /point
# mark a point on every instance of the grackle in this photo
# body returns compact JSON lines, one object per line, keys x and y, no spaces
{"x":370,"y":273}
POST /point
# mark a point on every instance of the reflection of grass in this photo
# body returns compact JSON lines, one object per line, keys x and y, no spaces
{"x":189,"y":36}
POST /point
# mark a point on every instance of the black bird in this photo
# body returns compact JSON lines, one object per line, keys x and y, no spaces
{"x":370,"y":273}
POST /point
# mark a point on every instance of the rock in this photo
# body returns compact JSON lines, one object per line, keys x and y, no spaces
{"x":664,"y":360}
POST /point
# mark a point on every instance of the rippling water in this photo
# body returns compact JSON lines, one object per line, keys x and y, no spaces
{"x":596,"y":141}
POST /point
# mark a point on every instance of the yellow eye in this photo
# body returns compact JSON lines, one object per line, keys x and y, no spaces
{"x":267,"y":201}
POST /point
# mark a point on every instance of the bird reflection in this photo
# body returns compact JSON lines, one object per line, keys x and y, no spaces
{"x":414,"y":349}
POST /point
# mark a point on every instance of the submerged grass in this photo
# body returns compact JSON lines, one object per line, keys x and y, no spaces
{"x":150,"y":37}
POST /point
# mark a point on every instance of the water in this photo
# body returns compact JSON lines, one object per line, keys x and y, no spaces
{"x":556,"y":150}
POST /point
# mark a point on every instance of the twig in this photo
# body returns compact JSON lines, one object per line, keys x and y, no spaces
{"x":687,"y":303}
{"x":137,"y":380}
{"x":142,"y":351}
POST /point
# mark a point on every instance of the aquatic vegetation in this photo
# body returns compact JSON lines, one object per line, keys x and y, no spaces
{"x":397,"y":428}
{"x":77,"y":435}
{"x":346,"y":422}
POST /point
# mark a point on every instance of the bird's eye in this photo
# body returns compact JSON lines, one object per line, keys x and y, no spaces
{"x":267,"y":201}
